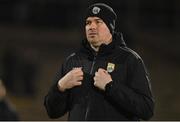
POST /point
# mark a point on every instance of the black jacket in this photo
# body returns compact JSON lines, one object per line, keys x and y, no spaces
{"x":7,"y":113}
{"x":127,"y":97}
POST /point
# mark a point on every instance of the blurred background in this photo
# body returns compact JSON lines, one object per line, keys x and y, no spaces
{"x":36,"y":36}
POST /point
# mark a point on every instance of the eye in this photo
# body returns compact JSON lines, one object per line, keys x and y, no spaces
{"x":99,"y":21}
{"x":88,"y":22}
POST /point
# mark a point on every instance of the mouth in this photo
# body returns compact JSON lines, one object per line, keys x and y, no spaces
{"x":92,"y":34}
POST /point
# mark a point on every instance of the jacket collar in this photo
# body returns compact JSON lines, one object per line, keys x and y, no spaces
{"x":104,"y":49}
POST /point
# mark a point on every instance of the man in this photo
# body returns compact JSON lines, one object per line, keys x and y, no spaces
{"x":104,"y":80}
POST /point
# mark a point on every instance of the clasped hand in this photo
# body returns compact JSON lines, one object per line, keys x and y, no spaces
{"x":75,"y":77}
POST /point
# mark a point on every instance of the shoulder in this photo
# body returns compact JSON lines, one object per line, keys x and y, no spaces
{"x":131,"y":54}
{"x":72,"y":56}
{"x":133,"y":60}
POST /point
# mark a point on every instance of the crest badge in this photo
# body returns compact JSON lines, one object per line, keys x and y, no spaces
{"x":110,"y":67}
{"x":96,"y":10}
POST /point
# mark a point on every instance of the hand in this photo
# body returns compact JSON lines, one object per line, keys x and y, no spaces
{"x":101,"y":78}
{"x":71,"y":79}
{"x":2,"y":91}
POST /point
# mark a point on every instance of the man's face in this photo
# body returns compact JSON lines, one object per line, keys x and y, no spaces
{"x":97,"y":32}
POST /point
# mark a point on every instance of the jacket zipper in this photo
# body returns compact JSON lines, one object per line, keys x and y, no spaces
{"x":92,"y":66}
{"x":87,"y":110}
{"x":91,"y":71}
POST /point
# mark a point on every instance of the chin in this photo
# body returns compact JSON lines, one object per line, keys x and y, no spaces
{"x":95,"y":44}
{"x":93,"y":41}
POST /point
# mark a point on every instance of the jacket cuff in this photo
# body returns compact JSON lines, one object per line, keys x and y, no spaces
{"x":108,"y":88}
{"x":57,"y":93}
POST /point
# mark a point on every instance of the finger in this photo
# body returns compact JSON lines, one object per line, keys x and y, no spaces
{"x":95,"y":78}
{"x":95,"y":83}
{"x":101,"y":70}
{"x":74,"y":68}
{"x":78,"y":83}
{"x":96,"y":74}
{"x":80,"y":73}
{"x":80,"y":78}
{"x":105,"y":71}
{"x":77,"y":70}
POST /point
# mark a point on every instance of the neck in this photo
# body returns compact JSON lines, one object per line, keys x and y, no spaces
{"x":96,"y":48}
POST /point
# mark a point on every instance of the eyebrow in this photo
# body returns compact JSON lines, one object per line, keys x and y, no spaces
{"x":98,"y":19}
{"x":94,"y":19}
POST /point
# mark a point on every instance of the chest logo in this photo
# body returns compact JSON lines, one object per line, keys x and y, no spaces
{"x":110,"y":67}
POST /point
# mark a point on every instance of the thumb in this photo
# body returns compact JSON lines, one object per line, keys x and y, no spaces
{"x":103,"y":70}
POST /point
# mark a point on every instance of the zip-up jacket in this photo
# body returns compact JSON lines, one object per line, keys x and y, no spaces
{"x":127,"y":97}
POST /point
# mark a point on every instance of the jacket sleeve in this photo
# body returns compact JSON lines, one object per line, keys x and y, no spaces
{"x":8,"y":112}
{"x":56,"y":102}
{"x":136,"y":97}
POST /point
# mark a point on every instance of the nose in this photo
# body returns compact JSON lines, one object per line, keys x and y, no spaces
{"x":93,"y":25}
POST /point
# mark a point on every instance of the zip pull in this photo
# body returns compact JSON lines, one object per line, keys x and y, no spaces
{"x":92,"y":66}
{"x":87,"y":111}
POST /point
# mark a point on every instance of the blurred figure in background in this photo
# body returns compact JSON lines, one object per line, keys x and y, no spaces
{"x":7,"y":112}
{"x":19,"y":70}
{"x":9,"y":67}
{"x":28,"y":71}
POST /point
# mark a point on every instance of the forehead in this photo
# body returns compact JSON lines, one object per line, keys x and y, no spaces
{"x":93,"y":18}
